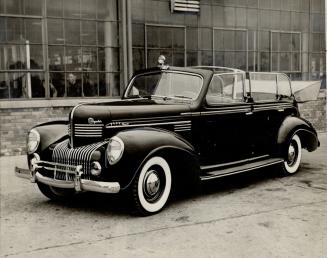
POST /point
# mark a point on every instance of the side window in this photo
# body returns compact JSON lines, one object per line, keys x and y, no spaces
{"x":225,"y":88}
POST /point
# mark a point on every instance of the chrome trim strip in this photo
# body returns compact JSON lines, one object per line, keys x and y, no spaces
{"x":149,"y":124}
{"x":72,"y":123}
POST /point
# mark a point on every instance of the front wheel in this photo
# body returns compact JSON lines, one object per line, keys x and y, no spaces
{"x":292,"y":160}
{"x":55,"y":193}
{"x":152,"y":186}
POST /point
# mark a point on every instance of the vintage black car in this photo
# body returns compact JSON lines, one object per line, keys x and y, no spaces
{"x":173,"y":127}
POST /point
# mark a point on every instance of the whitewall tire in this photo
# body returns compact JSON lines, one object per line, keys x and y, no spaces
{"x":152,"y":187}
{"x":293,"y":157}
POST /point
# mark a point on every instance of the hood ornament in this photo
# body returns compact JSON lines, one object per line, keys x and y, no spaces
{"x":91,"y":121}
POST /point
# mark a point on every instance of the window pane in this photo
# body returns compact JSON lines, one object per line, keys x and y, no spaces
{"x":165,"y":37}
{"x":240,"y":40}
{"x":219,"y":59}
{"x":37,"y":85}
{"x":72,"y":32}
{"x":240,"y":60}
{"x":152,"y":36}
{"x":138,"y":59}
{"x":218,"y":39}
{"x":192,"y":58}
{"x":57,"y":84}
{"x":109,"y":84}
{"x":206,"y":38}
{"x":264,"y":62}
{"x":285,"y":62}
{"x":89,"y":59}
{"x":73,"y":58}
{"x":296,"y":42}
{"x":274,"y":62}
{"x":55,"y":8}
{"x":2,"y":29}
{"x":285,"y":42}
{"x":14,"y":6}
{"x":192,"y":38}
{"x":4,"y":86}
{"x":13,"y":57}
{"x":296,"y":62}
{"x":15,"y":30}
{"x":18,"y":87}
{"x":33,"y":29}
{"x":56,"y":58}
{"x":178,"y":38}
{"x":72,"y":8}
{"x":55,"y":31}
{"x":90,"y":84}
{"x":108,"y":34}
{"x":33,"y":7}
{"x":275,"y":41}
{"x":36,"y":56}
{"x":178,"y":58}
{"x":229,"y":40}
{"x":107,"y":10}
{"x":252,"y":18}
{"x":88,"y":9}
{"x":206,"y":58}
{"x":264,"y":40}
{"x":138,"y":35}
{"x":74,"y":84}
{"x":229,"y":59}
{"x":88,"y":32}
{"x":108,"y":59}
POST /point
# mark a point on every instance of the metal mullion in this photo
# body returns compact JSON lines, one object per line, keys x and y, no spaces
{"x":213,"y":47}
{"x":97,"y":51}
{"x":21,"y":16}
{"x":45,"y":52}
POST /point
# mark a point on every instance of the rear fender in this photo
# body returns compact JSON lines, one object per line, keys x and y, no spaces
{"x":141,"y":144}
{"x":303,"y":128}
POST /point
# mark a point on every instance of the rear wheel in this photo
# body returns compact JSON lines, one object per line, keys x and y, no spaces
{"x":152,"y":186}
{"x":292,"y":160}
{"x":55,"y":193}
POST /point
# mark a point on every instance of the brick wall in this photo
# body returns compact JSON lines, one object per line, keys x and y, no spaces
{"x":315,"y":112}
{"x":15,"y":122}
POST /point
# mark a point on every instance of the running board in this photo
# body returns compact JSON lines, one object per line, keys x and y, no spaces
{"x":240,"y":169}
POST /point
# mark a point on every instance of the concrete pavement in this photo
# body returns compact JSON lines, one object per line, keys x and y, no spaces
{"x":255,"y":214}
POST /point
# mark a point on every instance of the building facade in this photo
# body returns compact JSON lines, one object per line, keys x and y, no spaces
{"x":55,"y":54}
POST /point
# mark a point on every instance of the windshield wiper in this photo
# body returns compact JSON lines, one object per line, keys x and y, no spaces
{"x":156,"y":97}
{"x":182,"y":97}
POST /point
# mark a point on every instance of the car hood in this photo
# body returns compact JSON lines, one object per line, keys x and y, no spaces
{"x":103,"y":113}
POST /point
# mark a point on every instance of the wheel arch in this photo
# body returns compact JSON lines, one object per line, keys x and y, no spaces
{"x":149,"y":142}
{"x":300,"y":126}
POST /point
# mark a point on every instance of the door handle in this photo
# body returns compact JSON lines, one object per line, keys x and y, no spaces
{"x":281,"y":110}
{"x":249,"y":113}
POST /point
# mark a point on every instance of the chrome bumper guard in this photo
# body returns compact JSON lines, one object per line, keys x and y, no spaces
{"x":74,"y":172}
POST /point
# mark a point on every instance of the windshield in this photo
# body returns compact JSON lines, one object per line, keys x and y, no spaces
{"x":166,"y":85}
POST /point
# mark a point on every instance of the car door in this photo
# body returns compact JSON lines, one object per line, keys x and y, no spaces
{"x":223,"y":124}
{"x":270,"y":106}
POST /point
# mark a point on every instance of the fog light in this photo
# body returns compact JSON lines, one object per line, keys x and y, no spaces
{"x":95,"y":168}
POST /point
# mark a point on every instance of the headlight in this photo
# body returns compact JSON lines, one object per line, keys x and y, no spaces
{"x":33,"y":140}
{"x":115,"y":150}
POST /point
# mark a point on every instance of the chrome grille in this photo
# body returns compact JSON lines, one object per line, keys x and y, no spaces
{"x":66,"y":156}
{"x":88,"y":130}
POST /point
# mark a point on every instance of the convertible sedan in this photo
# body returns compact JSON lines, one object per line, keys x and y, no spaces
{"x":173,"y":127}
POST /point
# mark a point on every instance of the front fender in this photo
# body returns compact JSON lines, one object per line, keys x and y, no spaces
{"x":303,"y":128}
{"x":50,"y":133}
{"x":140,"y":144}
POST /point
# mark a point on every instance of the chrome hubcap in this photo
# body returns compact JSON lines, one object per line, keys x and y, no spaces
{"x":151,"y":183}
{"x":291,"y":154}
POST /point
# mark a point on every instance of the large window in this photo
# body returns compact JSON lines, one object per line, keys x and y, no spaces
{"x":165,"y":40}
{"x":62,"y":48}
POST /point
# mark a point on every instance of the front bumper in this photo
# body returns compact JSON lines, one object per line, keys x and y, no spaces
{"x":71,"y":180}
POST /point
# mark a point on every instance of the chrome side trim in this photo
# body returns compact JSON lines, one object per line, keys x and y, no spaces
{"x":72,"y":123}
{"x":147,"y":124}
